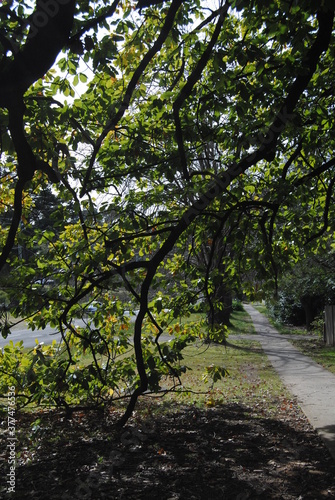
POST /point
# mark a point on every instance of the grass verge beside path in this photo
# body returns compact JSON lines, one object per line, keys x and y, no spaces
{"x":250,"y":377}
{"x":282,"y":329}
{"x":241,"y":323}
{"x":314,"y":347}
{"x":318,"y":351}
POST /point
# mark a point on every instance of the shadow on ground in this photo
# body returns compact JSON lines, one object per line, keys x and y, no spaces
{"x":226,"y":452}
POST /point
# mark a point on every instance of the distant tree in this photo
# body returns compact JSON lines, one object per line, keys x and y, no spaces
{"x":305,"y":289}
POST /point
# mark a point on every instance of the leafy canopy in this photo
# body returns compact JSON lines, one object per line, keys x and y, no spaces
{"x":180,"y":145}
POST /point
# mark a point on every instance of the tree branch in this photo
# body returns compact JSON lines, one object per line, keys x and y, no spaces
{"x":169,"y":20}
{"x":39,"y":52}
{"x":217,"y":187}
{"x":10,"y":240}
{"x":188,"y":87}
{"x":325,"y":213}
{"x":92,"y":23}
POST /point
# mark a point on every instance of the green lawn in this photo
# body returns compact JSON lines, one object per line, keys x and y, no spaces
{"x":241,"y":323}
{"x":318,"y":351}
{"x":250,"y":377}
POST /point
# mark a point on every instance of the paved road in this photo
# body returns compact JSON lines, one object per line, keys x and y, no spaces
{"x":28,"y":336}
{"x":49,"y":334}
{"x":313,"y":386}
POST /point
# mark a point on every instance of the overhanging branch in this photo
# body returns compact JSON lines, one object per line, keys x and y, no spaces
{"x":220,"y":184}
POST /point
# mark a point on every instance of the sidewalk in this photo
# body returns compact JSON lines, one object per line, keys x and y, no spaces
{"x":313,"y":386}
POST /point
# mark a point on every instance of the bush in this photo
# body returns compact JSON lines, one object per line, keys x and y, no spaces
{"x":237,"y":305}
{"x":317,"y":326}
{"x":286,"y":309}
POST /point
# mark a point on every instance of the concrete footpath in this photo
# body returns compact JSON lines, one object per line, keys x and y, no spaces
{"x":313,"y":386}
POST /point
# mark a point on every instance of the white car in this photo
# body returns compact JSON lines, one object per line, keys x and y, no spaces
{"x":92,"y":307}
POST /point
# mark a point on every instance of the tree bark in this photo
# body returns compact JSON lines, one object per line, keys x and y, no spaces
{"x":222,"y":307}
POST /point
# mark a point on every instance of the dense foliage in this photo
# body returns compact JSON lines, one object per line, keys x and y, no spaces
{"x":154,"y":156}
{"x":304,"y":291}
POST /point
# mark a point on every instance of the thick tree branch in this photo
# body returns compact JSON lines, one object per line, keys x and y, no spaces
{"x":320,"y":45}
{"x":30,"y":63}
{"x":314,"y":173}
{"x":16,"y":219}
{"x":39,"y":52}
{"x":25,"y":157}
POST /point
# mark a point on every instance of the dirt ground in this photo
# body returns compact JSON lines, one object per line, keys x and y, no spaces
{"x":229,"y":451}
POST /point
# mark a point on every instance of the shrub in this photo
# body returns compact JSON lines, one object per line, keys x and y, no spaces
{"x":237,"y":305}
{"x":317,"y":326}
{"x":286,"y":309}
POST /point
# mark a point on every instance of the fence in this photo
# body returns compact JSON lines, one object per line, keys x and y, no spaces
{"x":330,"y":325}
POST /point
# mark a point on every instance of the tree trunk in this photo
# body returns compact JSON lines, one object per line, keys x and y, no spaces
{"x":222,"y":307}
{"x":309,"y":309}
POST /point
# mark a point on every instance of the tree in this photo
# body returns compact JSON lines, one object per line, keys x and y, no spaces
{"x":305,"y":289}
{"x":114,"y":106}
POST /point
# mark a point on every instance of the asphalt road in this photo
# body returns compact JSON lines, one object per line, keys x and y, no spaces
{"x":48,"y":335}
{"x":28,"y":336}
